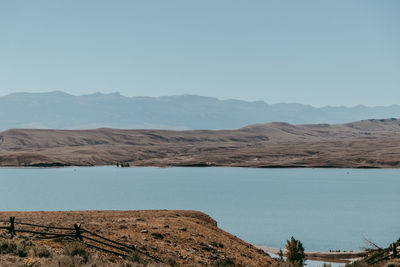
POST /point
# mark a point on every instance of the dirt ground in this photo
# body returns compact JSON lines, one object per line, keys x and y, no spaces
{"x":188,"y":238}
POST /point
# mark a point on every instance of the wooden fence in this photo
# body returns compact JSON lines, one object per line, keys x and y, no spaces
{"x":77,"y":233}
{"x":382,"y":254}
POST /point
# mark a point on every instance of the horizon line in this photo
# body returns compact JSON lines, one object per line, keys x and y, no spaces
{"x":197,"y":95}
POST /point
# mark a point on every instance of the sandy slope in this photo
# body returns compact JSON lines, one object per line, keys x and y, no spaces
{"x":370,"y":143}
{"x":188,"y":237}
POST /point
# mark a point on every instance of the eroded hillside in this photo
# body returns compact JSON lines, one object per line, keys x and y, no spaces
{"x":370,"y":143}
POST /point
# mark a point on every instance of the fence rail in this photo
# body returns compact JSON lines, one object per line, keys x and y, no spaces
{"x":379,"y":255}
{"x":77,"y":233}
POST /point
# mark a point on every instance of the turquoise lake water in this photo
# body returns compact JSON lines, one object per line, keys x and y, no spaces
{"x":324,"y":208}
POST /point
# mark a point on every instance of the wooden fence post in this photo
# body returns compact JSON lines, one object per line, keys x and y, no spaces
{"x":78,"y":231}
{"x":11,"y":229}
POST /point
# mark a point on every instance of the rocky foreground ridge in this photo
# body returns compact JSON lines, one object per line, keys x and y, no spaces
{"x":160,"y":238}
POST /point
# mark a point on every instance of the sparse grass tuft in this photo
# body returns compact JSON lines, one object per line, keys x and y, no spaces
{"x":76,"y":249}
{"x":7,"y":247}
{"x":225,"y":263}
{"x":135,"y":257}
{"x":42,"y":252}
{"x":15,"y":247}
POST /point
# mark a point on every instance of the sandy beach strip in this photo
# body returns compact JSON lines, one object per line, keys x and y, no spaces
{"x":342,"y":256}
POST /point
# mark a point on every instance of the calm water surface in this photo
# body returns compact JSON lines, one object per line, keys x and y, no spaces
{"x":324,"y":208}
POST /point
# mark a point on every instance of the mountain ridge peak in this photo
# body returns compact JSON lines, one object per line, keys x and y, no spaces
{"x":60,"y":110}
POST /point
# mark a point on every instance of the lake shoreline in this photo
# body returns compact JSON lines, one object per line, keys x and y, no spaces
{"x":144,"y":217}
{"x":50,"y":166}
{"x":258,"y":205}
{"x":362,"y":144}
{"x":339,"y":257}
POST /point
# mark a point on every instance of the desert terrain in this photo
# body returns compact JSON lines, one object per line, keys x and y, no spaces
{"x":163,"y":238}
{"x":362,"y":144}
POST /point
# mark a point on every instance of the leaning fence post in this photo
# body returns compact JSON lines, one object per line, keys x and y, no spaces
{"x":78,"y":231}
{"x":11,"y":228}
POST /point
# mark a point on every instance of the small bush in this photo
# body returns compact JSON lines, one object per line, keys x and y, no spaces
{"x":22,"y":252}
{"x":172,"y":262}
{"x":63,"y":260}
{"x":77,"y":249}
{"x":7,"y":247}
{"x":12,"y":247}
{"x":295,"y":251}
{"x":42,"y":252}
{"x":157,"y":236}
{"x":135,"y":257}
{"x":225,"y":262}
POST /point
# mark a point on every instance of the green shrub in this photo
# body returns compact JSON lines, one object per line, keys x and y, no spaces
{"x":295,"y":251}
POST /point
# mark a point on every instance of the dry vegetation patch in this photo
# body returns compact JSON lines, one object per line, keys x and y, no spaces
{"x":176,"y":238}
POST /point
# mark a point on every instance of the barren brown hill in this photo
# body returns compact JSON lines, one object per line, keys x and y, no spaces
{"x":370,"y":143}
{"x":165,"y":237}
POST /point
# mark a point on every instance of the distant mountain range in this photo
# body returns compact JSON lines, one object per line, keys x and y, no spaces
{"x":59,"y":110}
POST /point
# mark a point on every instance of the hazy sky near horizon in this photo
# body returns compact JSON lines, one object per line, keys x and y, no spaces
{"x":313,"y":52}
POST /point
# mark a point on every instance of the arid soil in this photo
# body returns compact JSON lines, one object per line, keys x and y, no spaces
{"x":175,"y":237}
{"x":363,"y":144}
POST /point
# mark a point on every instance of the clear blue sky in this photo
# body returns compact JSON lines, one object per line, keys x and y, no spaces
{"x":336,"y":52}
